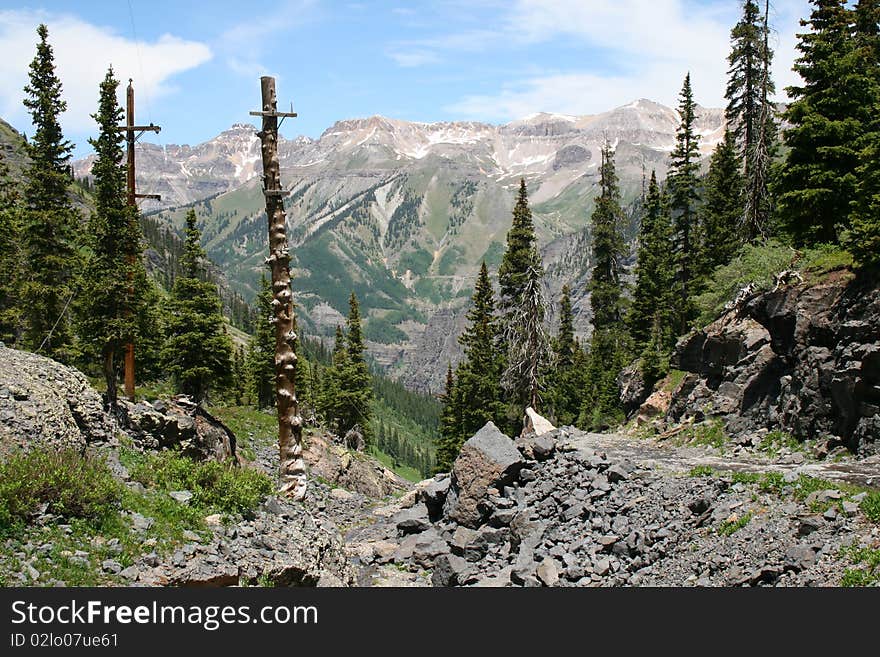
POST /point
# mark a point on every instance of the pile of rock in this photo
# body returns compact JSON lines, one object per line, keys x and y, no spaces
{"x":283,"y":545}
{"x":569,"y":516}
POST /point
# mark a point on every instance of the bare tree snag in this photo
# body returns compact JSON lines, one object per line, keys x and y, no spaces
{"x":292,"y":467}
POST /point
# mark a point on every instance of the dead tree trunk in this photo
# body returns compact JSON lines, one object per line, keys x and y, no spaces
{"x":292,"y":468}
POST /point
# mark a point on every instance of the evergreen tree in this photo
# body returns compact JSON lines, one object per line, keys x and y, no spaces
{"x":864,"y":238}
{"x":609,"y":248}
{"x":744,"y":94}
{"x":750,"y":114}
{"x":448,"y":444}
{"x":609,"y":343}
{"x":828,"y":118}
{"x":114,"y":281}
{"x":683,"y":185}
{"x":11,"y":257}
{"x":520,"y":255}
{"x":331,"y":381}
{"x":198,"y":352}
{"x":520,"y":271}
{"x":655,"y":272}
{"x":355,"y":394}
{"x":261,"y":349}
{"x":48,"y":226}
{"x":477,"y":378}
{"x":565,"y":387}
{"x":722,"y":207}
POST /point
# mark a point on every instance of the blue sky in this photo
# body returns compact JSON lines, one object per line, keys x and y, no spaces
{"x":196,"y":64}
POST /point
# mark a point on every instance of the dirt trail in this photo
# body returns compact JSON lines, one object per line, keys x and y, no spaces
{"x":682,"y":459}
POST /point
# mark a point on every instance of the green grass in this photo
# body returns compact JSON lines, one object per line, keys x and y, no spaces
{"x":756,"y":264}
{"x":673,"y":380}
{"x":759,"y":264}
{"x":95,"y":510}
{"x":871,"y":506}
{"x":216,"y":487}
{"x":705,"y":434}
{"x":816,"y":263}
{"x":72,"y":486}
{"x":775,"y":441}
{"x":407,"y":472}
{"x":728,"y":527}
{"x":867,"y":562}
{"x":251,"y":426}
{"x":800,"y":489}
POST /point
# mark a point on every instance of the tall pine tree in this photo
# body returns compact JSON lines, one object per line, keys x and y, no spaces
{"x":448,"y":443}
{"x":261,"y":349}
{"x":828,"y":118}
{"x":750,"y":114}
{"x":520,"y":271}
{"x":864,"y":238}
{"x":520,"y":255}
{"x":198,"y":352}
{"x":565,"y":378}
{"x":11,"y":257}
{"x":113,"y":284}
{"x":609,"y":347}
{"x":49,"y":220}
{"x":355,"y":394}
{"x":683,"y":185}
{"x":653,"y":298}
{"x":722,"y":207}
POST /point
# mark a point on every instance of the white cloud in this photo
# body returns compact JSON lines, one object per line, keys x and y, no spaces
{"x":646,"y":48}
{"x":413,"y":58}
{"x":82,"y":54}
{"x":244,"y":46}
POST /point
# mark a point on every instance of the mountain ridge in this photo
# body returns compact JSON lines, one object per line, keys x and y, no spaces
{"x":403,"y":213}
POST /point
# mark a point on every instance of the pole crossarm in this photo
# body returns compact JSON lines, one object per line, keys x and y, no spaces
{"x":276,"y":114}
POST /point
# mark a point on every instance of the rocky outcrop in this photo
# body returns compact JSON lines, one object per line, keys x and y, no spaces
{"x":181,"y":424}
{"x":804,"y":359}
{"x":284,"y":544}
{"x":489,"y":459}
{"x":48,"y":405}
{"x":353,"y":471}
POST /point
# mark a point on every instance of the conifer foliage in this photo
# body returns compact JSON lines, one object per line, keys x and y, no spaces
{"x":11,"y":257}
{"x":828,"y":117}
{"x":609,"y":344}
{"x":260,"y":363}
{"x":750,"y":114}
{"x":683,"y":184}
{"x":653,"y":297}
{"x":721,"y":212}
{"x":197,"y":350}
{"x":48,"y":227}
{"x":112,"y":299}
{"x":864,"y":238}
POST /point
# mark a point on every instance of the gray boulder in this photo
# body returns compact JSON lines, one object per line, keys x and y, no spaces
{"x":488,"y":459}
{"x":179,"y":423}
{"x":44,"y":404}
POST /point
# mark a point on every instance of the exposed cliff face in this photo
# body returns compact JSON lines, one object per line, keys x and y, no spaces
{"x":804,"y":359}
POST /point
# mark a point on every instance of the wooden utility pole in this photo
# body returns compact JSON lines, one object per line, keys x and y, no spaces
{"x":292,"y":469}
{"x":130,"y":129}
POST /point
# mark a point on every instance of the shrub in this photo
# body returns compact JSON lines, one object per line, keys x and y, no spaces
{"x":70,"y":484}
{"x":221,"y":487}
{"x":756,"y":264}
{"x":871,"y":507}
